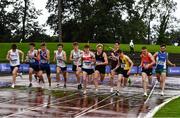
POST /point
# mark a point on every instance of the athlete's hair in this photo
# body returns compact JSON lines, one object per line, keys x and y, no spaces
{"x":60,"y":45}
{"x":75,"y":44}
{"x":118,"y":42}
{"x":144,"y":47}
{"x":119,"y":51}
{"x":86,"y":46}
{"x":43,"y":44}
{"x":163,"y":45}
{"x":32,"y":44}
{"x":14,"y":46}
{"x":99,"y":45}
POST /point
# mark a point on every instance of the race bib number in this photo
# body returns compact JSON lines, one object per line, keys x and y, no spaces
{"x":43,"y":61}
{"x":160,"y":63}
{"x":14,"y":61}
{"x":123,"y":65}
{"x":32,"y":61}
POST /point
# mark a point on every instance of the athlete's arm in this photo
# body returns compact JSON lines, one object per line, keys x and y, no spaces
{"x":22,"y":55}
{"x":54,"y":59}
{"x":105,"y":59}
{"x":71,"y":56}
{"x":38,"y":56}
{"x":155,"y":55}
{"x":48,"y":55}
{"x":141,"y":61}
{"x":170,"y":63}
{"x":65,"y":58}
{"x":131,"y":63}
{"x":8,"y":56}
{"x":152,"y":59}
{"x":117,"y":66}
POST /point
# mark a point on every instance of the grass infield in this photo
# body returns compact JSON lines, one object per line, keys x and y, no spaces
{"x":170,"y":110}
{"x":4,"y":47}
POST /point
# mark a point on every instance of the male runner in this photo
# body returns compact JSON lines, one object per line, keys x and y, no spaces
{"x":114,"y":61}
{"x":147,"y":62}
{"x":75,"y":57}
{"x":13,"y":56}
{"x":32,"y":59}
{"x":101,"y":62}
{"x":123,"y":69}
{"x":60,"y":58}
{"x":44,"y":57}
{"x":88,"y":59}
{"x":161,"y":58}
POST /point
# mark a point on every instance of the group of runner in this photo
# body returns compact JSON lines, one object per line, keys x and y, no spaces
{"x":91,"y":65}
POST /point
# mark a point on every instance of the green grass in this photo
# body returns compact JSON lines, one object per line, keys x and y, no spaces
{"x":170,"y":110}
{"x":4,"y":47}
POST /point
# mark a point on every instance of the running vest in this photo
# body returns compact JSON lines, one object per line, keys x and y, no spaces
{"x":31,"y":57}
{"x":42,"y":55}
{"x":114,"y":62}
{"x":59,"y":58}
{"x":99,"y":58}
{"x":124,"y":63}
{"x":146,"y":59}
{"x":14,"y":58}
{"x":87,"y":60}
{"x":161,"y":60}
{"x":76,"y":55}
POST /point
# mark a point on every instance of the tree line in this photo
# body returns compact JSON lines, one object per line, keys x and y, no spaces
{"x":144,"y":21}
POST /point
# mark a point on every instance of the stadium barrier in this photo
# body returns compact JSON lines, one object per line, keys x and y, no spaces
{"x":5,"y":68}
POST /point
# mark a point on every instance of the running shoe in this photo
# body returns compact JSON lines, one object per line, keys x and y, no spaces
{"x":117,"y":93}
{"x":79,"y":86}
{"x":13,"y":85}
{"x":111,"y":90}
{"x":145,"y":94}
{"x":20,"y":75}
{"x":162,"y":93}
{"x":84,"y":92}
{"x":64,"y":85}
{"x":129,"y":81}
{"x":30,"y":85}
{"x":57,"y":86}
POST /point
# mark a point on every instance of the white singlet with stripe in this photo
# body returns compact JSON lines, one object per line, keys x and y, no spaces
{"x":87,"y":60}
{"x":60,"y":58}
{"x":31,"y":56}
{"x":76,"y":55}
{"x":14,"y":58}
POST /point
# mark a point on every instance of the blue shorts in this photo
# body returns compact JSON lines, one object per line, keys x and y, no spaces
{"x":12,"y":67}
{"x":46,"y":68}
{"x":35,"y":67}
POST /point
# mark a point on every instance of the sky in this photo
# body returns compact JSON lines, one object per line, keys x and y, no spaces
{"x":40,"y":4}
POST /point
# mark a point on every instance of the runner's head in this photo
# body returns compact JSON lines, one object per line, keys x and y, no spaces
{"x":76,"y":45}
{"x":86,"y":48}
{"x":163,"y":48}
{"x":13,"y":47}
{"x":144,"y":50}
{"x":99,"y":48}
{"x":121,"y":54}
{"x":43,"y":46}
{"x":32,"y":46}
{"x":117,"y":45}
{"x":60,"y":47}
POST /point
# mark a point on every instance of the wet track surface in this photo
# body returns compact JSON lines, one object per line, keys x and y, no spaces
{"x":23,"y":102}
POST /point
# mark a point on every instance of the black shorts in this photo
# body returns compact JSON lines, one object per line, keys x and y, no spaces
{"x":123,"y":72}
{"x":74,"y":67}
{"x":35,"y":67}
{"x":147,"y":71}
{"x":88,"y":71}
{"x":46,"y":68}
{"x":113,"y":64}
{"x":12,"y":67}
{"x":101,"y":69}
{"x":63,"y":69}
